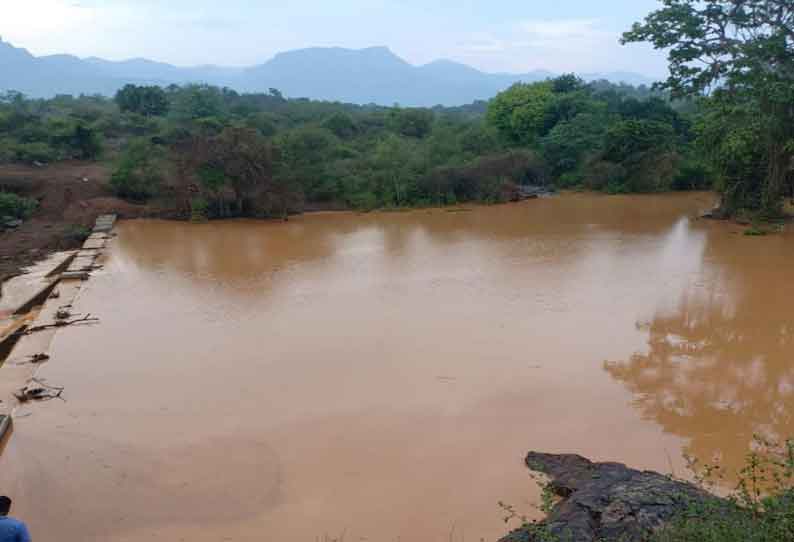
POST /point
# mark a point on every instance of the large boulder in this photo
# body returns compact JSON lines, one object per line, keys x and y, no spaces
{"x":606,"y":501}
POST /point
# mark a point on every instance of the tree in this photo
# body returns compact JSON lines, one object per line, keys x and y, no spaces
{"x":341,"y":125}
{"x":569,"y":142}
{"x":86,"y":142}
{"x":413,"y":122}
{"x":303,"y":160}
{"x":519,"y":112}
{"x":565,"y":83}
{"x":394,"y":160}
{"x":198,"y":101}
{"x":138,"y":176}
{"x":645,"y":152}
{"x":740,"y":51}
{"x":239,"y":158}
{"x":147,"y":101}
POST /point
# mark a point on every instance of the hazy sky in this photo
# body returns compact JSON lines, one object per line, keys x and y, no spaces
{"x":493,"y":35}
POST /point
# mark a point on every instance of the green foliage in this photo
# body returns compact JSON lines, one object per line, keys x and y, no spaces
{"x":86,"y":142}
{"x":729,"y":134}
{"x":138,"y":175}
{"x":199,"y":209}
{"x":30,"y":153}
{"x":262,"y":154}
{"x":595,"y":135}
{"x":197,"y":101}
{"x":396,"y":171}
{"x":143,"y":100}
{"x":694,"y":173}
{"x":519,"y":112}
{"x":265,"y":123}
{"x":744,"y":48}
{"x":236,"y":173}
{"x":760,"y":509}
{"x":341,"y":125}
{"x":570,"y":142}
{"x":637,"y":156}
{"x":629,"y":138}
{"x":412,"y":122}
{"x":14,"y":206}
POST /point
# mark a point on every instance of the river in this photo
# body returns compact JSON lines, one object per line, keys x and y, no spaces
{"x":380,"y":377}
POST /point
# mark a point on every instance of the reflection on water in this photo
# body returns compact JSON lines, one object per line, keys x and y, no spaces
{"x":719,"y":366}
{"x":383,"y":375}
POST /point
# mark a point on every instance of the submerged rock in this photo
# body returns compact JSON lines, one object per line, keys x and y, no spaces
{"x":606,"y":501}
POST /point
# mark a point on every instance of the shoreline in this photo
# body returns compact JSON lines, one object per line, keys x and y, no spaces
{"x":29,"y":327}
{"x":31,"y":258}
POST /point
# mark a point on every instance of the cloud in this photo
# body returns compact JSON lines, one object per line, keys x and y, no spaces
{"x":28,"y":19}
{"x":562,"y":34}
{"x":580,"y":45}
{"x":545,"y":30}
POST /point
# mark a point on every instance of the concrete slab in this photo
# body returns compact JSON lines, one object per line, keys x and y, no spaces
{"x":95,"y":244}
{"x":29,"y":352}
{"x":20,"y":291}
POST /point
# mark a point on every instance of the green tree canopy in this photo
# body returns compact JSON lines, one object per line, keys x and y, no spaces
{"x":740,"y":51}
{"x":519,"y":113}
{"x":147,"y":101}
{"x":412,"y":122}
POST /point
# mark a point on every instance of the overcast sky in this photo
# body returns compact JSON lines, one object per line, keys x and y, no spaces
{"x":492,"y":35}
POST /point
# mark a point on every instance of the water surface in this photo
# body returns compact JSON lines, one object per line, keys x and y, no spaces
{"x":380,"y":377}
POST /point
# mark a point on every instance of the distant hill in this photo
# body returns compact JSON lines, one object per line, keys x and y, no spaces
{"x":371,"y":75}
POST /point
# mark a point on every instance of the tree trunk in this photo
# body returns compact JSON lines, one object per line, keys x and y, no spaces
{"x":779,"y":164}
{"x":781,"y":133}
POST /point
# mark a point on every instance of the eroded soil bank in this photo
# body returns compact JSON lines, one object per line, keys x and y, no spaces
{"x":70,"y":196}
{"x":381,"y":376}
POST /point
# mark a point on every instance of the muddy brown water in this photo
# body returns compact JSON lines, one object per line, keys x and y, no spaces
{"x":380,"y":377}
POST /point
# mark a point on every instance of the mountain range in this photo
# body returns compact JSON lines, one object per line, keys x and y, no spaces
{"x":371,"y":75}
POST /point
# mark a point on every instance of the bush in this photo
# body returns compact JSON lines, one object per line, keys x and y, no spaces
{"x":8,"y":151}
{"x":341,"y":125}
{"x":572,"y":179}
{"x":35,"y":152}
{"x":761,"y":509}
{"x":137,"y":176}
{"x":600,"y":174}
{"x":199,"y":209}
{"x":14,"y":206}
{"x":364,"y":201}
{"x":693,"y":175}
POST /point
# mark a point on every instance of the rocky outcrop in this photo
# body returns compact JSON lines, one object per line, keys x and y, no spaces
{"x":606,"y":501}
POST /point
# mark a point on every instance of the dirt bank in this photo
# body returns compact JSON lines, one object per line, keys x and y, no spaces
{"x":71,"y":195}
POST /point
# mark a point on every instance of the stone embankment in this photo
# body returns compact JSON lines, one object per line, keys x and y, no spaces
{"x":42,"y":306}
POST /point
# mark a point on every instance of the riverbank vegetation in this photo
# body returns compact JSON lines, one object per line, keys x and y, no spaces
{"x":726,"y":124}
{"x":759,"y":509}
{"x":740,"y":54}
{"x":218,"y":153}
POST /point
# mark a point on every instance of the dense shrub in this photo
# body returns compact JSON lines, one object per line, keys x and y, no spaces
{"x":562,"y":131}
{"x":14,"y":206}
{"x":35,"y":152}
{"x":138,"y":175}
